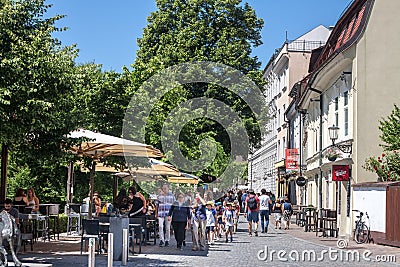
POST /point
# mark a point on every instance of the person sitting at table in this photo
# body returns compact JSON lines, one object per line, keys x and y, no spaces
{"x":137,"y":206}
{"x":97,"y":203}
{"x":33,"y":201}
{"x":8,"y":207}
{"x":122,"y":201}
{"x":151,"y":208}
{"x":20,"y":199}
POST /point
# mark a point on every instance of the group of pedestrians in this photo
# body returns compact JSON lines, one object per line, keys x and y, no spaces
{"x":210,"y":221}
{"x":261,"y":207}
{"x":207,"y":221}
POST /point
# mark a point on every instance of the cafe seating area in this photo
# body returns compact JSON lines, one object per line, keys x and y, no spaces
{"x":141,"y":230}
{"x":321,"y":221}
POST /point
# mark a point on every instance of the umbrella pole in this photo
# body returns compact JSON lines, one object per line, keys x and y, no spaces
{"x":91,"y":187}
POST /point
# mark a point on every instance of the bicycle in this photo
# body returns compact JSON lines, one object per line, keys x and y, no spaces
{"x":362,"y":232}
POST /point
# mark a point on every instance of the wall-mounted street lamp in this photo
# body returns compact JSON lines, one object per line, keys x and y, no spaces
{"x":333,"y":135}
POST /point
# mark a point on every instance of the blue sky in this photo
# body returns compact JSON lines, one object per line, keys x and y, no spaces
{"x":106,"y":31}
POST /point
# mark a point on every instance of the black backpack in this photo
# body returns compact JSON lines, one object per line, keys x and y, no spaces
{"x":252,"y":203}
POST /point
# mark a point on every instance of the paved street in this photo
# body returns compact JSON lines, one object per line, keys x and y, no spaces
{"x":242,"y":252}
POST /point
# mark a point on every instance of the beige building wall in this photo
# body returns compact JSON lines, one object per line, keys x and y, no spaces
{"x":377,"y":71}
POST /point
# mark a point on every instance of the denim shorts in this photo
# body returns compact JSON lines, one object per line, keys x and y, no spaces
{"x":252,"y":216}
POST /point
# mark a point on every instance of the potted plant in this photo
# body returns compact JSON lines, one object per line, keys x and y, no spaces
{"x":332,"y":154}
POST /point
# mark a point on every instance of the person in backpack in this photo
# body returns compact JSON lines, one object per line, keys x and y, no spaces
{"x":287,"y":212}
{"x":229,"y":218}
{"x":252,"y":207}
{"x":265,"y":203}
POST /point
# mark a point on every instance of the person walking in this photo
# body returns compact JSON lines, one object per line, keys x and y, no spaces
{"x":199,"y":224}
{"x":179,"y":214}
{"x":229,"y":218}
{"x":265,"y":201}
{"x":252,"y":207}
{"x":165,"y":200}
{"x":277,"y":211}
{"x":286,"y":212}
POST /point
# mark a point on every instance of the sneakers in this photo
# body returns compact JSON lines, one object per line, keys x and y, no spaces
{"x":166,"y":243}
{"x":161,"y":243}
{"x":195,"y":248}
{"x":250,"y":234}
{"x":255,"y":233}
{"x":262,"y":231}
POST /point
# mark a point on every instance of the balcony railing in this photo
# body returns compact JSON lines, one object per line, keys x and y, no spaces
{"x":304,"y":46}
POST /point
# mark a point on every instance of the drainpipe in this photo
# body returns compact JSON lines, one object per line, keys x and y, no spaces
{"x":321,"y":106}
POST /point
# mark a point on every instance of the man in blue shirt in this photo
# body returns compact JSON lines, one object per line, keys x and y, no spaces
{"x":165,"y":201}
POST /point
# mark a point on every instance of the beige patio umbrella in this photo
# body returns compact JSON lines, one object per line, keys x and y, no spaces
{"x":184,"y":178}
{"x":97,"y":146}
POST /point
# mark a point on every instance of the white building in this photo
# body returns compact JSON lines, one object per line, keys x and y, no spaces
{"x":288,"y":65}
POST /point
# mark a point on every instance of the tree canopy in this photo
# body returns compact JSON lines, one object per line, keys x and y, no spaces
{"x":219,"y":31}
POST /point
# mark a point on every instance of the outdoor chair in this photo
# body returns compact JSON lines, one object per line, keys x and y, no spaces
{"x":74,"y":222}
{"x":104,"y":222}
{"x":137,"y":231}
{"x":151,"y":227}
{"x":91,"y":229}
{"x":54,"y":220}
{"x":320,"y":217}
{"x":26,"y":231}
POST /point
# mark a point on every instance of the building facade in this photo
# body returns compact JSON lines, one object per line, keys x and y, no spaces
{"x":352,"y":86}
{"x":288,"y":65}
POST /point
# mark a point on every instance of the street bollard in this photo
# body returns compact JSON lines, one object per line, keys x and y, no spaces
{"x":92,"y":245}
{"x":124,"y":247}
{"x":110,"y":250}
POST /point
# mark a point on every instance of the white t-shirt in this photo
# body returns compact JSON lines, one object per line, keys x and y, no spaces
{"x":229,"y":216}
{"x":210,"y":218}
{"x":264,"y":202}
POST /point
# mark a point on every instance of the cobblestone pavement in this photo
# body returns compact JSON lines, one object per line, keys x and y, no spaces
{"x":244,"y":251}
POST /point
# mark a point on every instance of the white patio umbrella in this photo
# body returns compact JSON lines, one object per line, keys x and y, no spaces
{"x":98,"y":146}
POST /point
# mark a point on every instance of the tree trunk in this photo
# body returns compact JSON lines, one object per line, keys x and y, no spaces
{"x":4,"y":170}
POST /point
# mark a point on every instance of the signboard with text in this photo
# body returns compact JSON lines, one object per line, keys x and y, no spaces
{"x":340,"y":172}
{"x":291,"y":158}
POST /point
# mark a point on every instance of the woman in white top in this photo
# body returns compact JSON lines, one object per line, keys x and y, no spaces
{"x":33,"y":201}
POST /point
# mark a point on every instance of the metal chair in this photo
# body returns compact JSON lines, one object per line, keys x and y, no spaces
{"x":74,"y":222}
{"x":137,"y":231}
{"x":54,"y":220}
{"x":91,"y":229}
{"x":26,"y":231}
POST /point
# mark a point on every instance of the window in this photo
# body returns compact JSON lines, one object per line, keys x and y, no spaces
{"x":283,"y":145}
{"x":336,"y":111}
{"x":279,"y":118}
{"x":346,"y":113}
{"x":279,"y":150}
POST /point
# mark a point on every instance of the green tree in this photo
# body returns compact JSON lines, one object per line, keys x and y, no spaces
{"x":37,"y":77}
{"x":387,"y":166}
{"x":221,"y":31}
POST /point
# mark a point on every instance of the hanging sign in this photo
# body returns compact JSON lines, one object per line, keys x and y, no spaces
{"x":301,"y":181}
{"x":291,"y":159}
{"x":340,"y":172}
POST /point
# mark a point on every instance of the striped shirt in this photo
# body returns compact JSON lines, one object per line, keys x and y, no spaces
{"x":164,"y":204}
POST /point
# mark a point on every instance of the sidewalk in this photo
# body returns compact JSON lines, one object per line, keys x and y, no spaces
{"x":298,"y":232}
{"x":66,"y":251}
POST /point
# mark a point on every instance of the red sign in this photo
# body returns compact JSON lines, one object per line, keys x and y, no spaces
{"x":291,"y":159}
{"x":340,"y":172}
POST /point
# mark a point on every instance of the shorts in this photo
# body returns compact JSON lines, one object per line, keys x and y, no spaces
{"x":252,"y":216}
{"x":209,"y":229}
{"x":228,"y":228}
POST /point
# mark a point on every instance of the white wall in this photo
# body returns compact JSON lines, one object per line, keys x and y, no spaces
{"x":373,"y":201}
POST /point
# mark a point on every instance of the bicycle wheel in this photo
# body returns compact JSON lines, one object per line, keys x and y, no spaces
{"x":361,"y":234}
